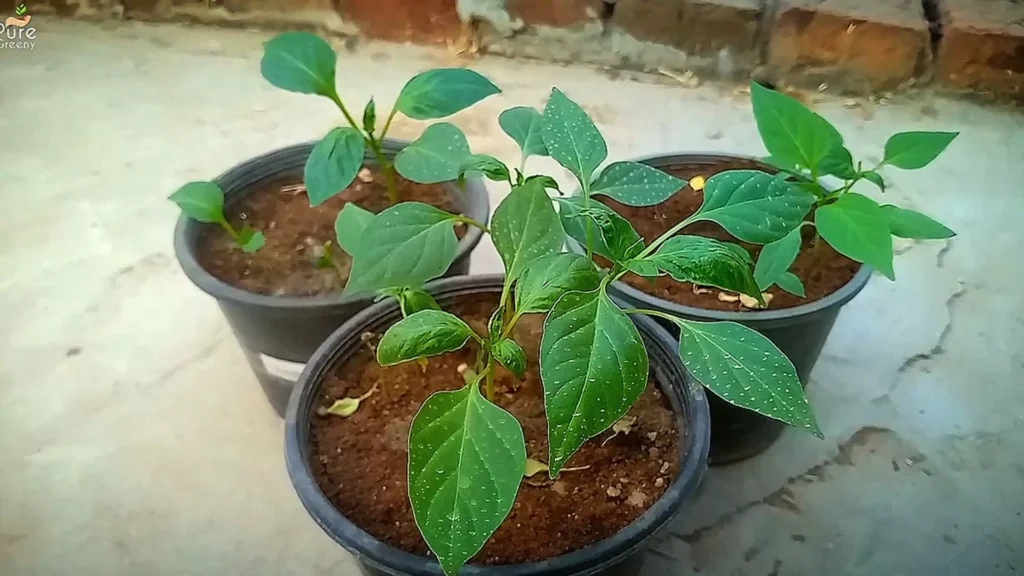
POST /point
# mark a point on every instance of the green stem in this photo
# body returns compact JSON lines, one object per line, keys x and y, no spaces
{"x":490,"y":379}
{"x":387,"y":123}
{"x":471,"y":222}
{"x":507,"y":330}
{"x":670,"y":233}
{"x":586,"y":205}
{"x":664,"y":315}
{"x":229,"y":228}
{"x":375,"y":145}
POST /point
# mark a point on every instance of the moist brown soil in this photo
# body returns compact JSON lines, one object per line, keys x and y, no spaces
{"x":822,"y":269}
{"x":295,"y":231}
{"x":360,"y":462}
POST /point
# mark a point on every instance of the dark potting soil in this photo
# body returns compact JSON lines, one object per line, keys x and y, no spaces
{"x":295,"y":231}
{"x":822,"y":269}
{"x":360,"y":462}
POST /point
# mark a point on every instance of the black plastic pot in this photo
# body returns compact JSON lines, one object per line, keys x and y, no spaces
{"x":278,"y":334}
{"x":618,"y":555}
{"x":800,"y":332}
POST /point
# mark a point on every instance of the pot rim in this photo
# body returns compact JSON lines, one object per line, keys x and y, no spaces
{"x":695,"y":441}
{"x":245,"y":176}
{"x":838,"y":298}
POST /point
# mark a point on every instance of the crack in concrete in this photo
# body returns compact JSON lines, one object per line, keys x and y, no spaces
{"x":940,"y":258}
{"x":936,"y":350}
{"x":783,"y":498}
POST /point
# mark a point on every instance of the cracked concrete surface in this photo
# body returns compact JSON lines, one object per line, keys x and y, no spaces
{"x":134,"y":439}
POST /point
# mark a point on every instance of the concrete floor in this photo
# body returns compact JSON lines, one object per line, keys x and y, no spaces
{"x":134,"y":439}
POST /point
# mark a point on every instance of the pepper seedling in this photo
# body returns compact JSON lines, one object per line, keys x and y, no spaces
{"x":467,"y":455}
{"x":305,"y":63}
{"x":807,"y":148}
{"x":204,"y":202}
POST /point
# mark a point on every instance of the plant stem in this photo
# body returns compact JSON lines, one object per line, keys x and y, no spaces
{"x":664,"y":315}
{"x":375,"y":145}
{"x":586,"y":206}
{"x":471,"y":222}
{"x":670,"y":233}
{"x":490,"y":379}
{"x":229,"y":228}
{"x":507,"y":330}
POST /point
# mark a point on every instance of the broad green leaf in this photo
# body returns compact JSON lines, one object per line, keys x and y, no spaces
{"x":405,"y":245}
{"x":775,"y":259}
{"x":707,"y":262}
{"x":412,"y":301}
{"x":370,"y":117}
{"x":611,"y":235}
{"x":547,"y":278}
{"x":875,"y":178}
{"x":594,"y":367}
{"x":636,"y":184}
{"x":421,"y":334}
{"x":791,"y":132}
{"x":523,"y":124}
{"x":744,"y":368}
{"x":487,"y":165}
{"x":571,"y":137}
{"x":857,"y":228}
{"x":333,"y":164}
{"x":496,"y":324}
{"x":201,"y":201}
{"x":912,"y":150}
{"x":250,"y":240}
{"x":350,"y":225}
{"x":466,"y":460}
{"x":436,"y":156}
{"x":839,"y":163}
{"x":442,"y":92}
{"x":546,"y":181}
{"x":511,"y":356}
{"x":644,"y":268}
{"x":906,"y":223}
{"x":753,"y":206}
{"x":525,"y":227}
{"x":300,"y":62}
{"x":791,"y":283}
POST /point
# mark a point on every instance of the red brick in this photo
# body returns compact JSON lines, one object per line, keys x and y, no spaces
{"x":421,"y":21}
{"x":881,"y":43}
{"x":558,"y":13}
{"x":700,"y":27}
{"x":983,"y":47}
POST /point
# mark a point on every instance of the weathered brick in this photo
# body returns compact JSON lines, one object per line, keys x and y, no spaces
{"x":874,"y":43}
{"x":700,"y":27}
{"x":558,"y":13}
{"x":421,"y":21}
{"x":983,"y":46}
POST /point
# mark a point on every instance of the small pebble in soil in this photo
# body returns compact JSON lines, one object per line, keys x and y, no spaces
{"x":664,"y":467}
{"x":654,"y":452}
{"x":659,"y":482}
{"x":752,"y":303}
{"x":698,"y":290}
{"x":365,"y":175}
{"x":614,"y":492}
{"x":559,"y":487}
{"x":727,"y":297}
{"x":652,"y":436}
{"x":637,"y":498}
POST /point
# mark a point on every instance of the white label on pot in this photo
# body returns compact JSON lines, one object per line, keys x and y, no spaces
{"x":283,"y":369}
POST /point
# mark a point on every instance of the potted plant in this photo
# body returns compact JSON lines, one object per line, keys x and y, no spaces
{"x":528,"y":423}
{"x":263,"y":238}
{"x":815,"y":239}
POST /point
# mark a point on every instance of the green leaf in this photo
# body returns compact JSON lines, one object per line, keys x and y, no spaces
{"x":775,"y":258}
{"x":744,"y":368}
{"x":250,"y":240}
{"x":511,"y":356}
{"x":525,"y":227}
{"x":791,"y":283}
{"x":523,"y":124}
{"x":405,"y":245}
{"x":875,"y":178}
{"x":707,"y":262}
{"x":753,"y":206}
{"x":370,"y":117}
{"x":487,"y":165}
{"x":350,"y":225}
{"x":333,"y":164}
{"x":546,"y":181}
{"x":466,"y":461}
{"x":300,"y":62}
{"x":496,"y":324}
{"x":611,"y":236}
{"x":857,"y":228}
{"x":571,"y":137}
{"x":436,"y":156}
{"x":636,"y":184}
{"x":912,"y":150}
{"x":201,"y":201}
{"x":421,"y":334}
{"x":906,"y":223}
{"x":547,"y":278}
{"x":594,"y":367}
{"x":644,"y":268}
{"x":839,"y":163}
{"x":791,"y":132}
{"x":412,"y":301}
{"x":442,"y":92}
